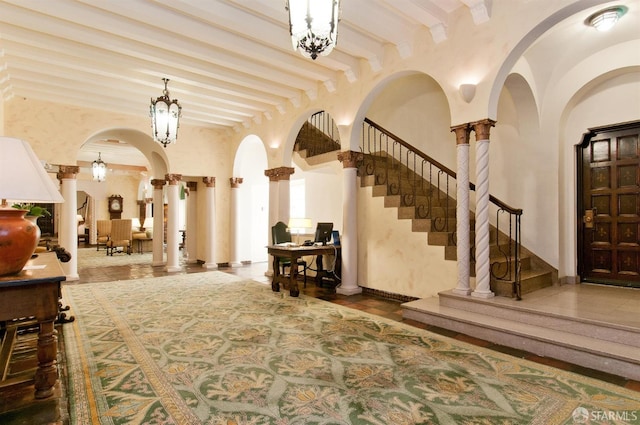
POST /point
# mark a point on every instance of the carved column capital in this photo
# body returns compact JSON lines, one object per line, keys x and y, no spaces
{"x":462,"y":133}
{"x":235,"y":182}
{"x":209,"y":181}
{"x":350,"y":159}
{"x":483,"y":128}
{"x":173,"y":179}
{"x":280,"y":173}
{"x":192,"y":186}
{"x":67,"y":172}
{"x":158,"y":183}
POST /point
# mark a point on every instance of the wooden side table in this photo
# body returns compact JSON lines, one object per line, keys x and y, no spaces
{"x":34,"y":292}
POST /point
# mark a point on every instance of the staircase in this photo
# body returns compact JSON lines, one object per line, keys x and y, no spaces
{"x":421,"y":189}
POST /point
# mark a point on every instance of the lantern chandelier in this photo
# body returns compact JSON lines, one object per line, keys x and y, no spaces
{"x":313,"y":25}
{"x":165,"y":114}
{"x":99,"y":169}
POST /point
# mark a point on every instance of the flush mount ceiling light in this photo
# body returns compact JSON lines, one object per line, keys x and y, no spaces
{"x":313,"y":25}
{"x":165,"y":115}
{"x":605,"y":19}
{"x":99,"y":169}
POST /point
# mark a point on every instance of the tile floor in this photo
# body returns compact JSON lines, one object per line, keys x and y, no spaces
{"x":391,"y":309}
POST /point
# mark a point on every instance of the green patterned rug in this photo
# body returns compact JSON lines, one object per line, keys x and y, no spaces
{"x":89,"y":257}
{"x":209,"y":348}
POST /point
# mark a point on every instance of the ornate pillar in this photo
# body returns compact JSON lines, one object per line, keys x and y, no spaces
{"x":158,"y":222}
{"x":191,"y":248}
{"x":483,"y":266}
{"x":210,"y":226}
{"x":68,"y":232}
{"x":173,"y":226}
{"x":279,"y":198}
{"x":349,"y":239}
{"x":462,"y":209}
{"x":234,"y":224}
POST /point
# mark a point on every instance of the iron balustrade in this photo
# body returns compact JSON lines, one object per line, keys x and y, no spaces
{"x":318,"y":135}
{"x":429,"y":187}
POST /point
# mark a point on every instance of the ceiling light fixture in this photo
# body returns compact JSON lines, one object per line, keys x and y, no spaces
{"x":99,"y":169}
{"x":313,"y":25}
{"x":605,"y":19}
{"x":165,"y":115}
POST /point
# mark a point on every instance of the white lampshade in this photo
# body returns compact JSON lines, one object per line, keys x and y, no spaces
{"x":148,"y":223}
{"x":79,"y":218}
{"x":299,"y":224}
{"x":135,"y":223}
{"x":22,"y":175}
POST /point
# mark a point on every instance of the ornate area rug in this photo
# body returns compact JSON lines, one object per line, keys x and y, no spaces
{"x":89,"y":257}
{"x":209,"y":348}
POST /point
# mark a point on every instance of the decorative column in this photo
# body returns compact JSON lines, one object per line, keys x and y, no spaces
{"x":68,"y":232}
{"x":234,"y":224}
{"x":191,"y":242}
{"x":349,"y":239}
{"x":483,"y":266}
{"x":210,"y":226}
{"x":462,"y":209}
{"x":279,"y":199}
{"x":173,"y":226}
{"x":158,"y":222}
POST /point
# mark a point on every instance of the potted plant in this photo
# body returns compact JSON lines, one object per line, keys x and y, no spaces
{"x":32,"y":210}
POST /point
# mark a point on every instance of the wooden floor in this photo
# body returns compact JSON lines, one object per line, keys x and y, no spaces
{"x":17,"y":406}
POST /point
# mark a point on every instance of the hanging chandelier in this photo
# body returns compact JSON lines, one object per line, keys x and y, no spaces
{"x":165,"y":114}
{"x":99,"y":169}
{"x":313,"y":25}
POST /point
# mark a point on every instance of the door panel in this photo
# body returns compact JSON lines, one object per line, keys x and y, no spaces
{"x":609,"y":205}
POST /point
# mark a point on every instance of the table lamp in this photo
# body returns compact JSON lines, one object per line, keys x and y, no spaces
{"x":299,"y":224}
{"x":22,"y":179}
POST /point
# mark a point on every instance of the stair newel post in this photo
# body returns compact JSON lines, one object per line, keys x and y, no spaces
{"x":462,"y":133}
{"x":483,"y":267}
{"x":349,"y":240}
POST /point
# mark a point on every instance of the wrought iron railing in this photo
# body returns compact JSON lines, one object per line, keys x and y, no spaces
{"x":318,"y":135}
{"x":427,"y":185}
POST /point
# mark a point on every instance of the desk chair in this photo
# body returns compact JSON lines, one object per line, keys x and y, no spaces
{"x":280,"y":234}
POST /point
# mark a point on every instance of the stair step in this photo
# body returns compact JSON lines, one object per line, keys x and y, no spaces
{"x":530,"y":280}
{"x":518,"y":329}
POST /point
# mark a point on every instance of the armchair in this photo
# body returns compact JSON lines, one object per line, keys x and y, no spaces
{"x":280,"y":234}
{"x":103,"y":228}
{"x":120,"y":236}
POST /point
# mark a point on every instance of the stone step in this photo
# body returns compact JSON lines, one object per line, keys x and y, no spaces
{"x":593,"y":345}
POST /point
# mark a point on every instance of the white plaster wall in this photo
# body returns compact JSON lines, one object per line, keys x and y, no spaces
{"x":393,"y":259}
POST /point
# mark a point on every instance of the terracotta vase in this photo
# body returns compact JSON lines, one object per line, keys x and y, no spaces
{"x":18,"y":240}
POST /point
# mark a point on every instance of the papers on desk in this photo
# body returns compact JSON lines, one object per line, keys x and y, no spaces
{"x":291,"y":244}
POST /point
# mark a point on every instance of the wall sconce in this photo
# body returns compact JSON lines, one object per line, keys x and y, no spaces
{"x":604,"y":20}
{"x":467,"y":91}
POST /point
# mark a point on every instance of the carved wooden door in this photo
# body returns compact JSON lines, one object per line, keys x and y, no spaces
{"x":609,"y":205}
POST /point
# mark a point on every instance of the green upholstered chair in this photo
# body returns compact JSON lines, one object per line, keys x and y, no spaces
{"x":280,"y":234}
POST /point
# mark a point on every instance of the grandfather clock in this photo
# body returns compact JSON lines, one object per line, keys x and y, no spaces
{"x":115,"y":207}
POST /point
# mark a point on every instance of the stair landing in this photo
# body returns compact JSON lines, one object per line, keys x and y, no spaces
{"x":593,"y":326}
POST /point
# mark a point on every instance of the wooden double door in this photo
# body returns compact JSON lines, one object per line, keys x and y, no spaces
{"x":609,"y":205}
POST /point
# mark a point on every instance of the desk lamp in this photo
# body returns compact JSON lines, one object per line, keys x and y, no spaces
{"x":299,"y":224}
{"x":23,"y":179}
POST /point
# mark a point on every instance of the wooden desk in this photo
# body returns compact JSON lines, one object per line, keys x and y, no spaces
{"x":292,"y":253}
{"x":34,"y":292}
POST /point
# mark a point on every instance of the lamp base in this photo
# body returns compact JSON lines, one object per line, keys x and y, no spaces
{"x":18,"y":240}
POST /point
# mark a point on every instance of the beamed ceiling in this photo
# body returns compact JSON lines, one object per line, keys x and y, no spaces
{"x":230,"y":62}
